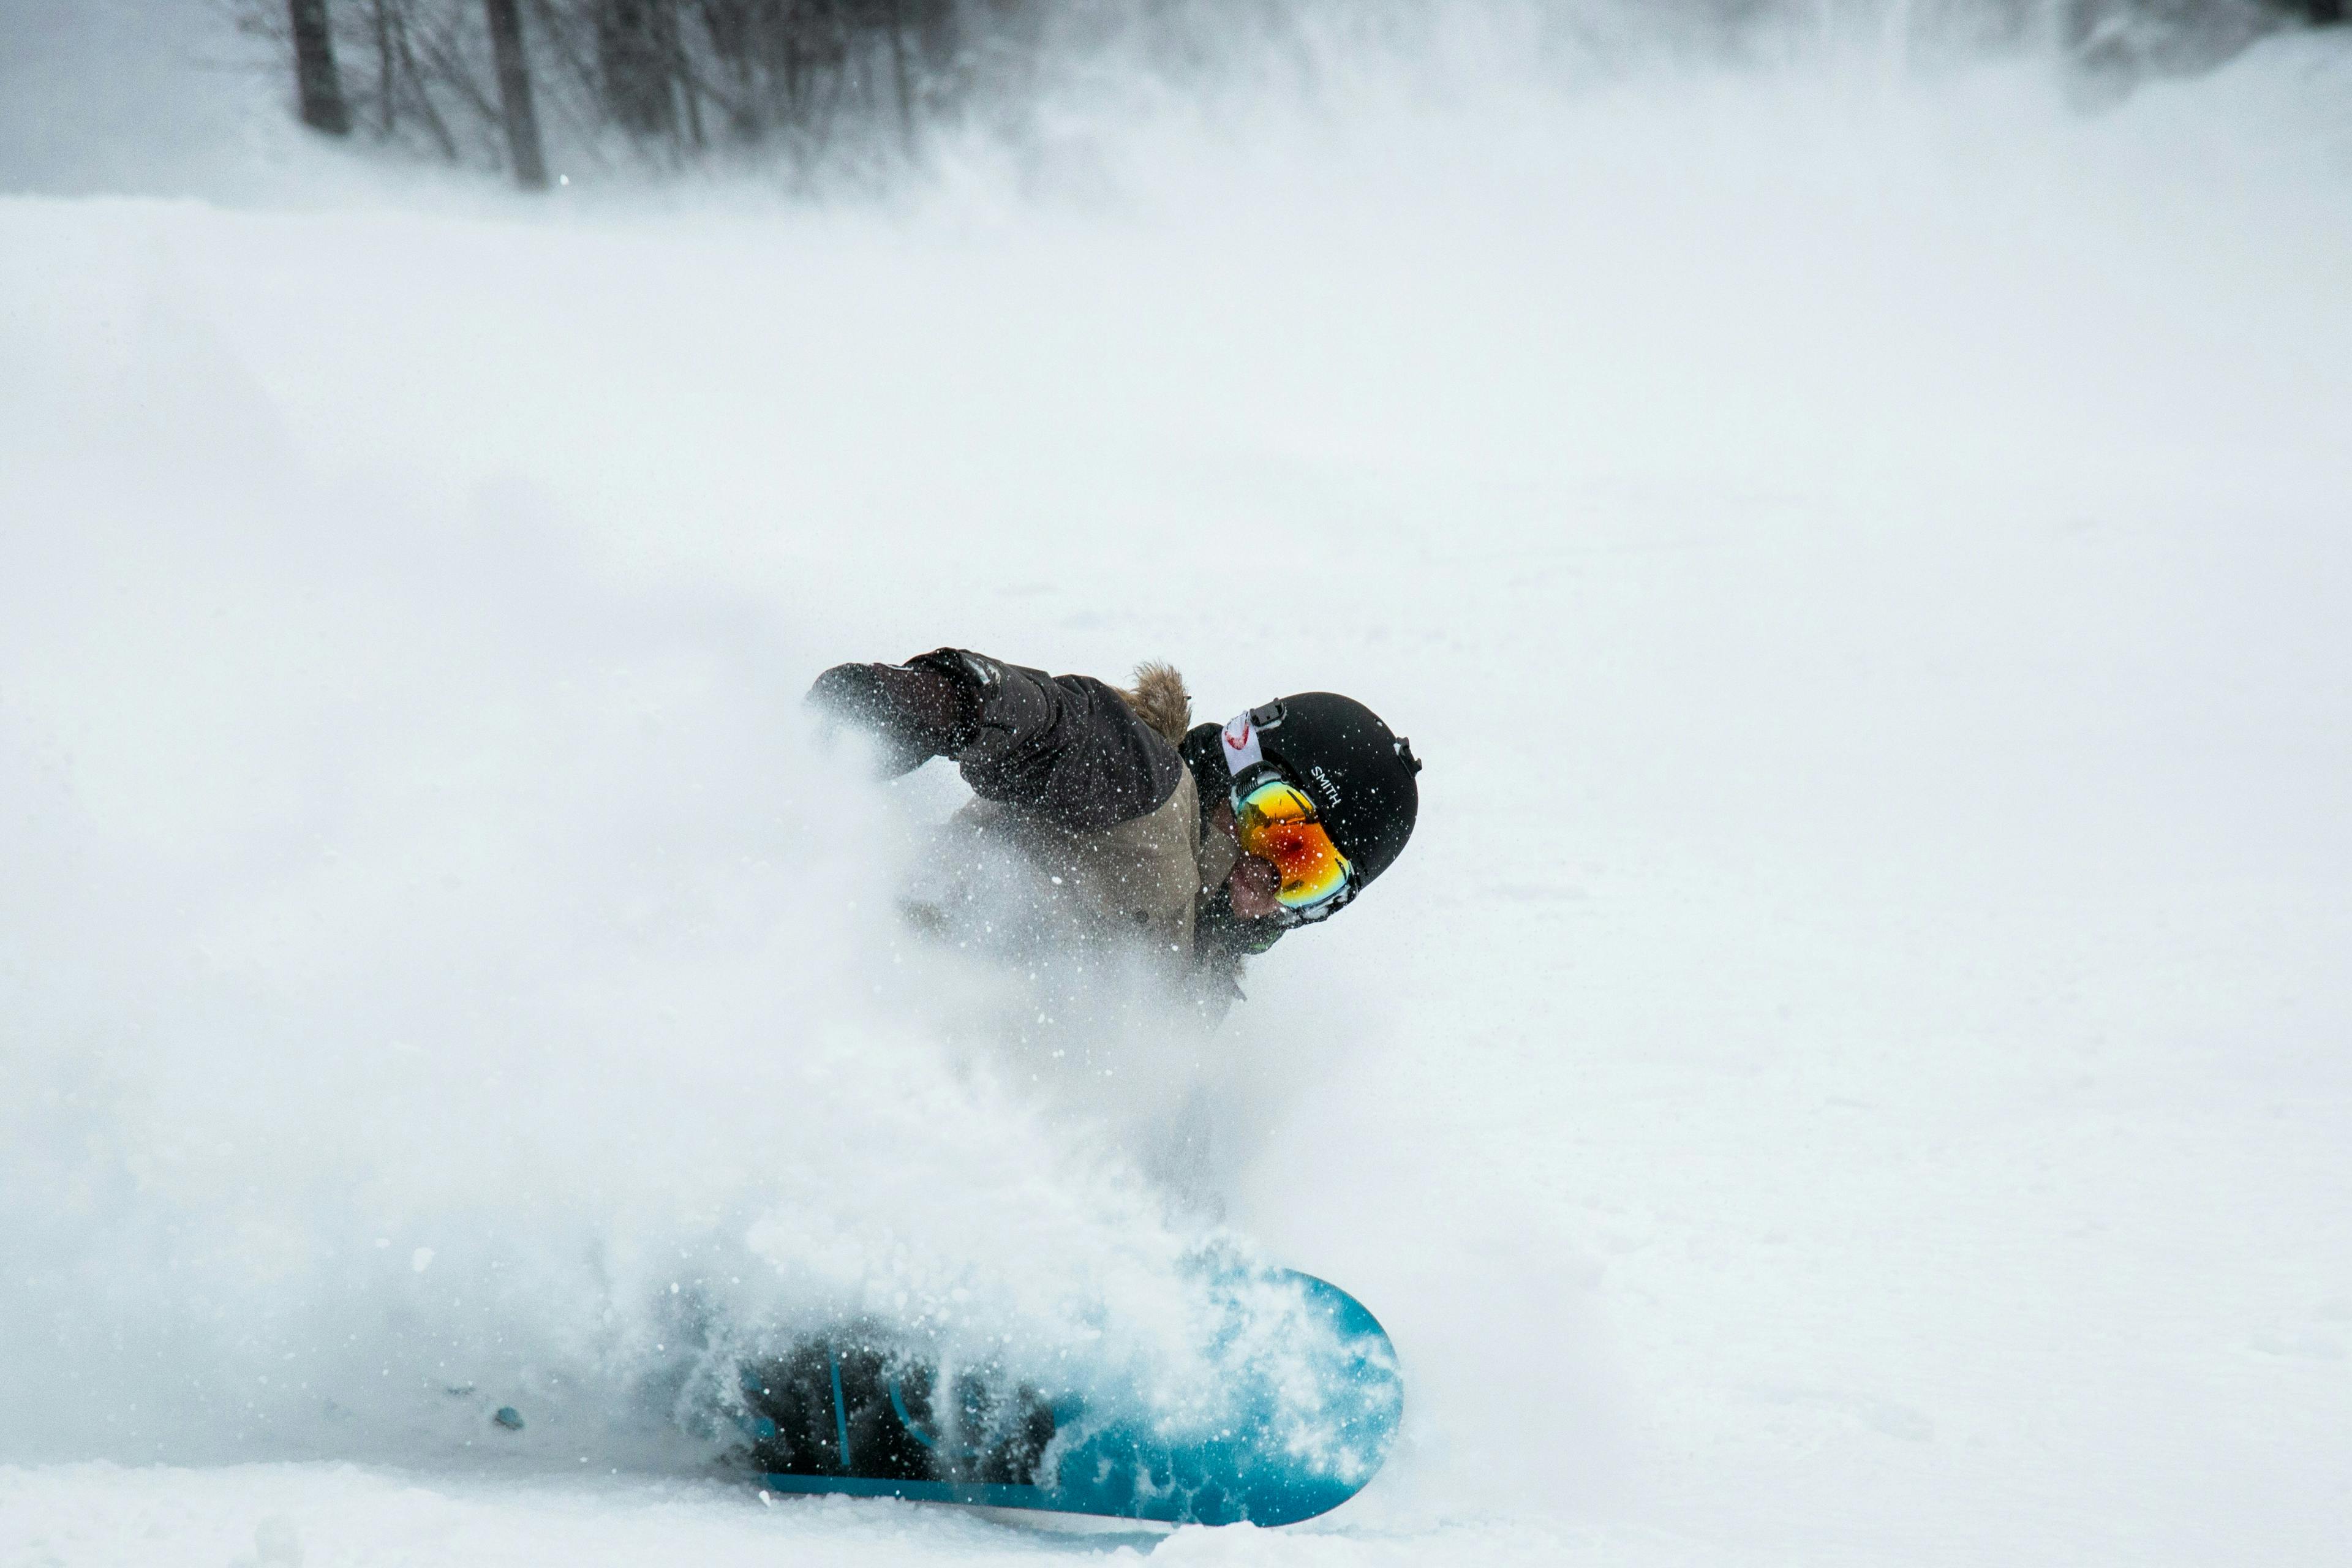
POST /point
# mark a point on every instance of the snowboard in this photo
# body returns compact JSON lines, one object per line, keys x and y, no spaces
{"x":1306,"y":1402}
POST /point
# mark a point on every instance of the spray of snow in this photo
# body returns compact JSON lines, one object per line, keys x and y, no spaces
{"x":1852,"y":1062}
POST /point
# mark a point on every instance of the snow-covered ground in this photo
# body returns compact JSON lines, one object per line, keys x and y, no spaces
{"x":1856,"y":1065}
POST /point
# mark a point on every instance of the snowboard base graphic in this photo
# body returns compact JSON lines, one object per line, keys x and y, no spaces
{"x":1309,"y":1403}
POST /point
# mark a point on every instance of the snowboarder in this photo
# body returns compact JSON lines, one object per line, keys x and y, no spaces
{"x":1205,"y":844}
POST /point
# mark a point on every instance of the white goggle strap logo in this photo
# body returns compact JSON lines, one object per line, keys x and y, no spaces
{"x":1241,"y":744}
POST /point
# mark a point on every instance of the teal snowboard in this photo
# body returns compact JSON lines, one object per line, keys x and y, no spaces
{"x":1305,"y":1401}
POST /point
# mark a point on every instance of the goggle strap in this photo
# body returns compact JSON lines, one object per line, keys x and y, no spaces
{"x":1240,"y":740}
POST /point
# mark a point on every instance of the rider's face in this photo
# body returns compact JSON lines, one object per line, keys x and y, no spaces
{"x":1252,"y":882}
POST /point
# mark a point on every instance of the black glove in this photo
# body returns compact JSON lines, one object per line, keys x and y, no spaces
{"x":916,"y":714}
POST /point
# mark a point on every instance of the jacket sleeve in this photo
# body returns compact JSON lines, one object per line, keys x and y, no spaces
{"x":1066,"y":748}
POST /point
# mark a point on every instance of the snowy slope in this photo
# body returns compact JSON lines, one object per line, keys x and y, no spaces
{"x":1852,"y":1068}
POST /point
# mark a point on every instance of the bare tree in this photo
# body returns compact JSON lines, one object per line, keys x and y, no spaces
{"x":514,"y":94}
{"x":387,"y":73}
{"x":901,"y":83}
{"x":321,"y":86}
{"x":599,"y":85}
{"x":635,"y":52}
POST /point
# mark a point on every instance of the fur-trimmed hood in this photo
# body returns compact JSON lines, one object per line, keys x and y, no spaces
{"x":1160,"y":700}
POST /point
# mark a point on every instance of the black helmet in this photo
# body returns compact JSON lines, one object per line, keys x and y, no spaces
{"x":1358,"y":776}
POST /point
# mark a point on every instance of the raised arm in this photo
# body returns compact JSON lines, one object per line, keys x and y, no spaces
{"x":1066,"y":748}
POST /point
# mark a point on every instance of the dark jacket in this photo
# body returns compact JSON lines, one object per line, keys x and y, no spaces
{"x":1087,"y":779}
{"x":1069,"y":749}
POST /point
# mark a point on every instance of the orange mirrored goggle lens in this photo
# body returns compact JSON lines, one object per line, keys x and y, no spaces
{"x":1275,"y":822}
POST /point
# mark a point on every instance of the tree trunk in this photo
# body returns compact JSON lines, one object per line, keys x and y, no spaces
{"x":323,"y":108}
{"x":900,"y":83}
{"x":387,"y":77}
{"x":514,"y":94}
{"x":674,"y":42}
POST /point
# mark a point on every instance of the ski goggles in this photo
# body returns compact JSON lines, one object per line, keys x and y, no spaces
{"x":1275,"y":821}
